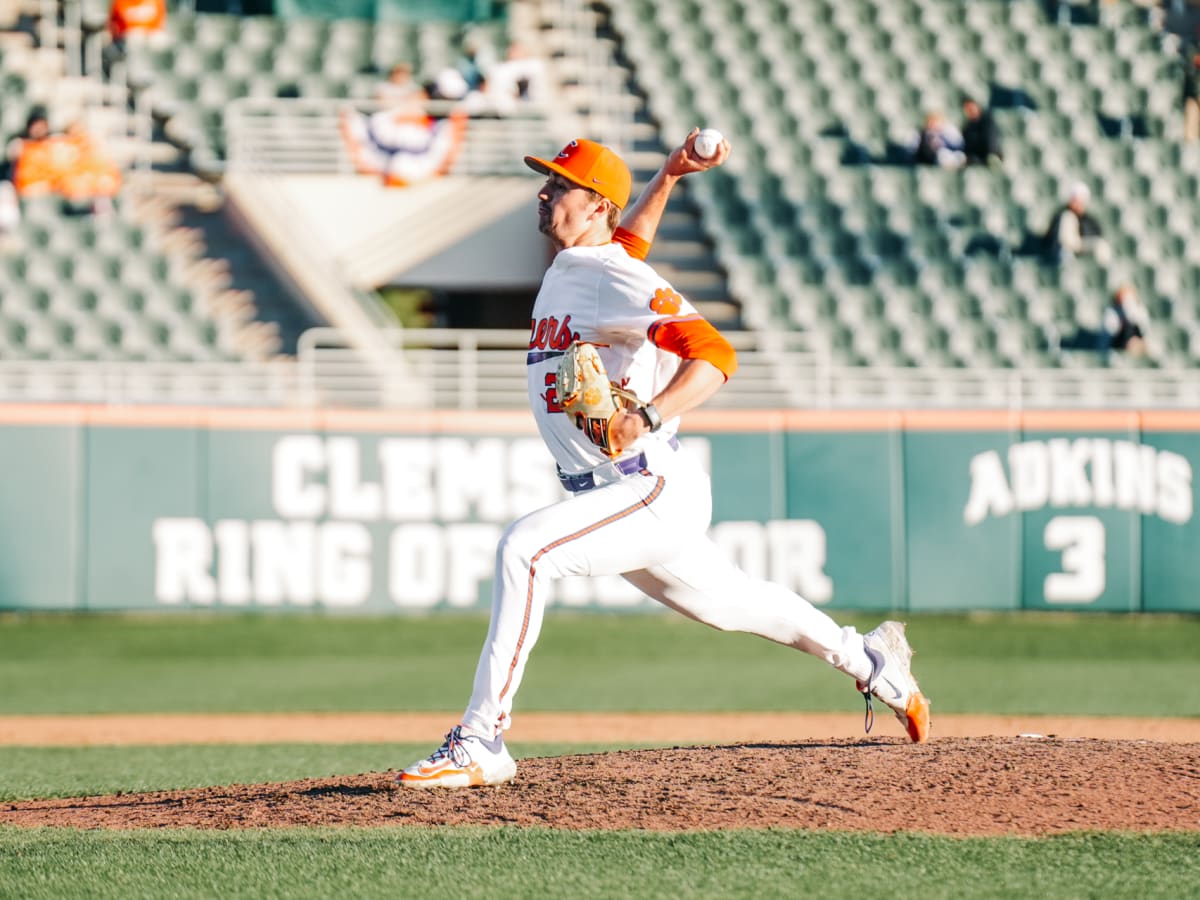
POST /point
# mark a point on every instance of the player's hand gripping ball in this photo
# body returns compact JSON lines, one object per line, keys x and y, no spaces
{"x":707,"y":143}
{"x":588,"y":397}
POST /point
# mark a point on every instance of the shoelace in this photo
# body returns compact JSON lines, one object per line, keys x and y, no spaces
{"x":876,"y":670}
{"x":869,"y":720}
{"x":453,"y":748}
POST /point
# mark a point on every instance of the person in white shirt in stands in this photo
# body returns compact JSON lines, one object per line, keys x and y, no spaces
{"x":517,"y":80}
{"x":1073,"y":231}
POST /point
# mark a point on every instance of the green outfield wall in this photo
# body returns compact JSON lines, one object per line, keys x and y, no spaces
{"x":135,"y":508}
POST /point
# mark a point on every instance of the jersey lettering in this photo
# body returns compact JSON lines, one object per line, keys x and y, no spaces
{"x":551,"y":334}
{"x":550,"y":398}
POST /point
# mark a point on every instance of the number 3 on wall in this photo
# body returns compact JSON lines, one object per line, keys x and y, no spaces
{"x":1081,"y":540}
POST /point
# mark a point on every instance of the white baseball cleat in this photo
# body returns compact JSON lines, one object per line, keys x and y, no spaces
{"x":892,"y":680}
{"x":465,"y":760}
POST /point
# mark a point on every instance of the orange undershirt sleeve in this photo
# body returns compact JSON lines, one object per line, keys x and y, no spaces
{"x":692,"y":337}
{"x":634,"y":245}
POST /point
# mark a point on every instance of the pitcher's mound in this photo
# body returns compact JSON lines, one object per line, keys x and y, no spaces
{"x":962,"y":786}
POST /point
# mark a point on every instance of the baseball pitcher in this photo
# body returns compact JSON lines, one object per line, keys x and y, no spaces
{"x":616,"y":356}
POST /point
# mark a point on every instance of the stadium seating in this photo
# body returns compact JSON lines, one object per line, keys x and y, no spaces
{"x":210,"y":59}
{"x":824,"y":226}
{"x":78,"y":287}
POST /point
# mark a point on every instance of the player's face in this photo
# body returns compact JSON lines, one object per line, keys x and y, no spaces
{"x":566,"y":211}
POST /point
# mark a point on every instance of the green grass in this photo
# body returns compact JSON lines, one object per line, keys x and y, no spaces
{"x":1014,"y":664}
{"x":537,"y":863}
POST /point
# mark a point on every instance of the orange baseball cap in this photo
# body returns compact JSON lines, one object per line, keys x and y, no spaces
{"x":592,"y":166}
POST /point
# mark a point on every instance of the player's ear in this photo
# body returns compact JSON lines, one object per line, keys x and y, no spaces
{"x":609,"y":212}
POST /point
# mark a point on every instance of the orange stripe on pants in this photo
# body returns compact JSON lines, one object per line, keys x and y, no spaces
{"x":615,"y":517}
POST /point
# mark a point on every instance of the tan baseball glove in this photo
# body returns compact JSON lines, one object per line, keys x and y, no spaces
{"x":589,"y":397}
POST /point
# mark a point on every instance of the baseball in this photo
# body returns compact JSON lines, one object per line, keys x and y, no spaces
{"x":707,"y":142}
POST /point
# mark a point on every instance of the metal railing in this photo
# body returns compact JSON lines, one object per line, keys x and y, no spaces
{"x":463,"y":369}
{"x":459,"y":369}
{"x":302,"y":135}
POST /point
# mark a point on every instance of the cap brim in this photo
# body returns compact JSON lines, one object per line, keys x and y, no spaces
{"x":537,"y":164}
{"x":545,"y":167}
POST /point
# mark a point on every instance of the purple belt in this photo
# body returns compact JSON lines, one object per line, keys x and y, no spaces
{"x":577,"y":484}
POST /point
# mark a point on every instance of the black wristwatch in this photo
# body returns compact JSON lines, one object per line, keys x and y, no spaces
{"x":650,"y":414}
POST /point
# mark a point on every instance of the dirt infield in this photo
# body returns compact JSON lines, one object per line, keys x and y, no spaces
{"x":548,"y":727}
{"x":957,"y":786}
{"x":1048,"y":777}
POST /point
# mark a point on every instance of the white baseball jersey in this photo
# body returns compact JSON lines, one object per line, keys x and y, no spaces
{"x":603,"y":296}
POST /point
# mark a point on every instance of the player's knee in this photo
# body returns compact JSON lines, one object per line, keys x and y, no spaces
{"x":515,"y":549}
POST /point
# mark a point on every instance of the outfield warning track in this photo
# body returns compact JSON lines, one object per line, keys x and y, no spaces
{"x":643,"y":728}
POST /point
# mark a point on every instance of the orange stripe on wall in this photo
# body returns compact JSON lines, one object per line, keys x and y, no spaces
{"x":1081,"y":420}
{"x":961,"y":420}
{"x":520,"y":422}
{"x":236,"y":418}
{"x":790,"y":420}
{"x":1032,"y":419}
{"x":940,"y":420}
{"x":1168,"y":420}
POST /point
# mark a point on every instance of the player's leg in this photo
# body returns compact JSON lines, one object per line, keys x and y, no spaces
{"x":605,"y":531}
{"x":705,"y":585}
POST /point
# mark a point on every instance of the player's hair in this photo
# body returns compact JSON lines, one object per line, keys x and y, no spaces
{"x":614,"y":216}
{"x":614,"y":211}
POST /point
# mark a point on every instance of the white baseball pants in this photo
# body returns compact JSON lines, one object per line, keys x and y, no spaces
{"x":649,"y":527}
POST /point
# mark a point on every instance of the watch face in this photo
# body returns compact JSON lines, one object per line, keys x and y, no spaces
{"x":650,"y":414}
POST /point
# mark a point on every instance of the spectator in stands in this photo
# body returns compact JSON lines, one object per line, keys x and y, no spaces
{"x":136,"y":17}
{"x":517,"y":79}
{"x":981,"y":137}
{"x":37,"y":128}
{"x":937,"y":143}
{"x":1124,"y":324}
{"x":399,"y":87}
{"x":132,"y":20}
{"x":485,"y":102}
{"x":473,"y":63}
{"x":1191,"y":98}
{"x":88,"y":178}
{"x":31,"y":156}
{"x":1073,"y":231}
{"x":70,"y":165}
